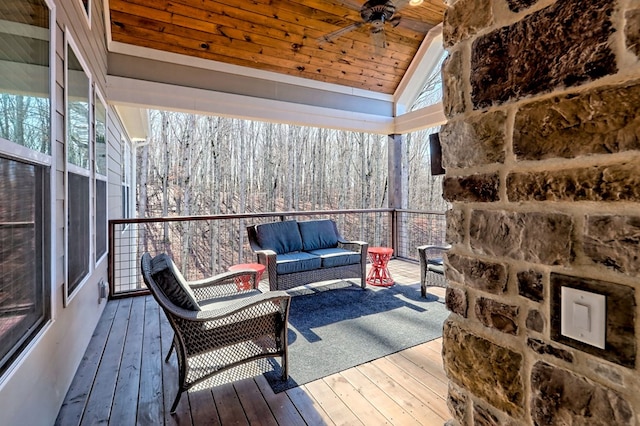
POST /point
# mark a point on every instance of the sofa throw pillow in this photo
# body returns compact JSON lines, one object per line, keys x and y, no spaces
{"x":172,"y":283}
{"x":318,"y":234}
{"x":281,"y":237}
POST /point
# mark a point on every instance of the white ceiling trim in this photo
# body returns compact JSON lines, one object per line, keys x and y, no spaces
{"x":419,"y":70}
{"x":146,"y":94}
{"x":424,"y":118}
{"x":135,"y":121}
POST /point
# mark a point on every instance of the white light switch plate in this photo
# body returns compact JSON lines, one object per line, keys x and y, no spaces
{"x":583,"y":316}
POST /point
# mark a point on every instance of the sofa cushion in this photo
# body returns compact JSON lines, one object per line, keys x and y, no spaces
{"x":318,"y":234}
{"x":281,"y":237}
{"x":172,"y":283}
{"x":297,"y":262}
{"x":336,"y":257}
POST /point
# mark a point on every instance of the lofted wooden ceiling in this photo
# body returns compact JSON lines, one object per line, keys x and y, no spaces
{"x":282,"y":36}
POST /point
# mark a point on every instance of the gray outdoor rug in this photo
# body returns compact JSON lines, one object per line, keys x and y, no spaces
{"x":338,"y":326}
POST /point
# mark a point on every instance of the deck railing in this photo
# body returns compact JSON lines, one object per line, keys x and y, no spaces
{"x":203,"y":246}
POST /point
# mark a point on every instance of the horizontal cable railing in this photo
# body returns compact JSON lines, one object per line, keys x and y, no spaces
{"x":202,"y":246}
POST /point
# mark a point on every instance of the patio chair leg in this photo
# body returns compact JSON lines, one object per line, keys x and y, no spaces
{"x":176,"y":401}
{"x":285,"y":368}
{"x":169,"y":354}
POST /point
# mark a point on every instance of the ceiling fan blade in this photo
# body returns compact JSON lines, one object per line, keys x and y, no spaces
{"x":352,"y":4}
{"x":338,"y":33}
{"x":379,"y":40}
{"x":413,"y":25}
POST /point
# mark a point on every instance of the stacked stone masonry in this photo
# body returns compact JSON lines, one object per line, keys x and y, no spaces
{"x":542,"y":158}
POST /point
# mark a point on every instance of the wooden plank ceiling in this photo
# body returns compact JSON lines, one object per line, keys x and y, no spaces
{"x":282,"y":36}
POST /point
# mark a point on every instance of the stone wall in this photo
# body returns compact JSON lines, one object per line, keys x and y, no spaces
{"x":542,"y":158}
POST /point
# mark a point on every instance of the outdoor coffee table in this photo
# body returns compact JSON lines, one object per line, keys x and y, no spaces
{"x":379,"y":274}
{"x":244,"y":282}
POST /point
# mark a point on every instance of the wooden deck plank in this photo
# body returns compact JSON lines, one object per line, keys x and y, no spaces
{"x":393,"y":411}
{"x":229,"y":406}
{"x":77,"y":396}
{"x":308,"y":407}
{"x":418,"y":410}
{"x":421,"y":392}
{"x":436,"y":347}
{"x":255,"y":407}
{"x":337,"y":409}
{"x":358,"y":404}
{"x":99,"y":404}
{"x":203,"y":408}
{"x":123,"y":411}
{"x":150,"y":402}
{"x":426,"y":360}
{"x":281,"y":406}
{"x":434,"y":383}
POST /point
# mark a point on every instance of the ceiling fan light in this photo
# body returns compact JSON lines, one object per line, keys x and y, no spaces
{"x":415,"y":2}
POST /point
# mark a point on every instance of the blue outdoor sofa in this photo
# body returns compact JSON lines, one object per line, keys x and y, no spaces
{"x":298,"y":253}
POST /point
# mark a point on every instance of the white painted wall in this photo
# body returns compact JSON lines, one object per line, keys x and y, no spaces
{"x":33,"y":389}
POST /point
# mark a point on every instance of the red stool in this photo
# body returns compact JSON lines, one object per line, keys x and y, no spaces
{"x":379,"y":274}
{"x":244,"y":282}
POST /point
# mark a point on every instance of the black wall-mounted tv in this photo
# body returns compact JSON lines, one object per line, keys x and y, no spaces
{"x":435,"y":151}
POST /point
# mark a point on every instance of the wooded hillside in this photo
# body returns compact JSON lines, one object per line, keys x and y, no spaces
{"x":200,"y":165}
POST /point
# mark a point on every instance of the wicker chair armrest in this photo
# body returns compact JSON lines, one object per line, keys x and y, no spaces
{"x":357,"y":246}
{"x":265,"y":256}
{"x":221,"y":285}
{"x":443,"y":247}
{"x":276,"y":299}
{"x":423,"y":251}
{"x":268,"y":259}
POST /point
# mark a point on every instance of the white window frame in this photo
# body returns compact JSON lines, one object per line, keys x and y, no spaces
{"x":126,"y":153}
{"x":12,"y":150}
{"x":72,"y":168}
{"x":99,"y":99}
{"x":86,"y":11}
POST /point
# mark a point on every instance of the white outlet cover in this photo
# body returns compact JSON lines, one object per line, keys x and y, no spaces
{"x":583,"y":316}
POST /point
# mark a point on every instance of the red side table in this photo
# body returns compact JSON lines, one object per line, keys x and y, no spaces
{"x":244,"y":282}
{"x":379,"y":274}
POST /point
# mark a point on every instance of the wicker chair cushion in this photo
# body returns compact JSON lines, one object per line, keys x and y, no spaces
{"x":336,"y":257}
{"x":318,"y":234}
{"x":297,"y":262}
{"x":281,"y":237}
{"x":172,"y":283}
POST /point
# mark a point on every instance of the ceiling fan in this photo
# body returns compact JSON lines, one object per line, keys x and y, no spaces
{"x":376,"y":14}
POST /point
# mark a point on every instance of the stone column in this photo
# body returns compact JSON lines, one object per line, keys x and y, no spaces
{"x":542,"y":158}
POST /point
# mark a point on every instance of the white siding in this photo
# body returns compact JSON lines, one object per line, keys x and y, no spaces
{"x":32,"y":392}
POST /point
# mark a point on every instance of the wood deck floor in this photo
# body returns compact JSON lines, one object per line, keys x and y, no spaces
{"x":123,"y":380}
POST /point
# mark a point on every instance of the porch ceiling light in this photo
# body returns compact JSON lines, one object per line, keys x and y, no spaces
{"x":415,"y":2}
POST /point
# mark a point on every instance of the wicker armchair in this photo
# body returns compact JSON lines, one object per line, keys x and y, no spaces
{"x":216,"y":326}
{"x":431,"y":267}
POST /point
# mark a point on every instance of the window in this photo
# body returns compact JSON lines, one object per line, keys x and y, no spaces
{"x":78,"y":173}
{"x":25,"y":132}
{"x":24,"y":294}
{"x":24,"y":98}
{"x":100,"y":147}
